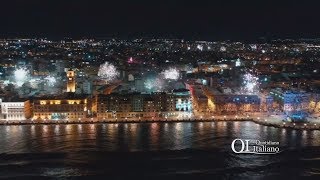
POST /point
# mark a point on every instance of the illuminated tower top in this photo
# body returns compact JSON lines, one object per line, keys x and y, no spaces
{"x":71,"y":85}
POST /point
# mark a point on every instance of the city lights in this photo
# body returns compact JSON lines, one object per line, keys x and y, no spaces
{"x":159,"y":90}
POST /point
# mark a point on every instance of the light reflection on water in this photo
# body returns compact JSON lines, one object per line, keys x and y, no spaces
{"x":146,"y":136}
{"x":183,"y":146}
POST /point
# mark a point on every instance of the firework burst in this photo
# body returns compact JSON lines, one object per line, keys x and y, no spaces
{"x":108,"y":72}
{"x":251,"y":84}
{"x":51,"y":80}
{"x":171,"y":73}
{"x":21,"y":76}
{"x":156,"y":84}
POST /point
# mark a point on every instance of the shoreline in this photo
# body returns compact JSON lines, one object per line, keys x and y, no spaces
{"x":297,"y":126}
{"x":289,"y":125}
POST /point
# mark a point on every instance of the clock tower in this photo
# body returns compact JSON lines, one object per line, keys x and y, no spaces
{"x":71,"y":85}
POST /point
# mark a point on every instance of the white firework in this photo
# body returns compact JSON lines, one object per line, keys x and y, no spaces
{"x":51,"y":80}
{"x":171,"y":73}
{"x":21,"y":76}
{"x":251,"y":84}
{"x":149,"y":84}
{"x":108,"y":72}
{"x":156,"y":84}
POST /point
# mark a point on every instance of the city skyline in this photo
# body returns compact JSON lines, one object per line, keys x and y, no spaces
{"x":159,"y":79}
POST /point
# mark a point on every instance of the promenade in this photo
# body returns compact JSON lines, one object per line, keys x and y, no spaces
{"x":259,"y":118}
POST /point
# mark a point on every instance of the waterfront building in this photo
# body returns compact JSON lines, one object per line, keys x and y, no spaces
{"x":225,"y":101}
{"x":234,"y":104}
{"x":314,"y":105}
{"x":15,"y":109}
{"x":138,"y":105}
{"x":67,"y":107}
{"x":291,"y":101}
{"x":199,"y":99}
{"x":182,"y":100}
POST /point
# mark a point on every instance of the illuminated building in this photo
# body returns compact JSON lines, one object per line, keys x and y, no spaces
{"x":137,"y":105}
{"x":233,"y":104}
{"x":291,"y":101}
{"x":71,"y":84}
{"x":314,"y":105}
{"x":60,"y":108}
{"x":269,"y":103}
{"x":113,"y":106}
{"x":199,"y":99}
{"x":225,"y":102}
{"x":182,"y":100}
{"x":15,"y":110}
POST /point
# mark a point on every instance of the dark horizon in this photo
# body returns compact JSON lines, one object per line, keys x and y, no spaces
{"x":200,"y":20}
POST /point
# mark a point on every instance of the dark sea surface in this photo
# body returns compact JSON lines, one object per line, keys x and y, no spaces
{"x":184,"y":150}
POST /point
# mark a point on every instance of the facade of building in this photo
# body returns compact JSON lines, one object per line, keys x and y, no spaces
{"x":15,"y":110}
{"x":63,"y":108}
{"x":137,"y":105}
{"x":291,"y":101}
{"x":139,"y":85}
{"x":182,"y":100}
{"x":84,"y":87}
{"x":199,"y":99}
{"x":234,"y":104}
{"x":314,"y":105}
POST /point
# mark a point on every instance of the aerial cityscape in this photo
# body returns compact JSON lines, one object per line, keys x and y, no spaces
{"x":114,"y":80}
{"x":169,"y":89}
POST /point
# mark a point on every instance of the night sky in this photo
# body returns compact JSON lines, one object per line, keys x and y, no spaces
{"x":214,"y":19}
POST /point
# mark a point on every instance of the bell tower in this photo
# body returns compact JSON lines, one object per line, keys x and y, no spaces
{"x":71,"y":85}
